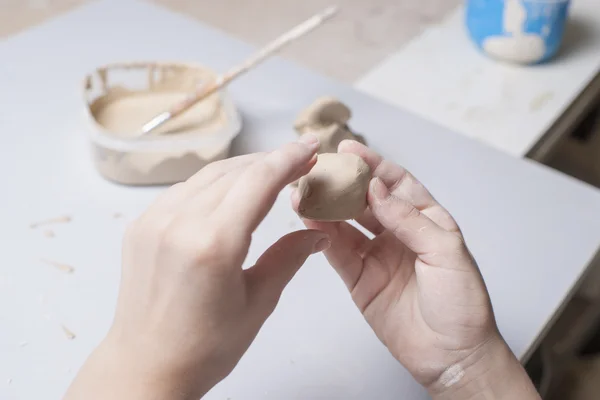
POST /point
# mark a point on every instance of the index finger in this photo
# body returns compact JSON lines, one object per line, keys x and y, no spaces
{"x":402,"y":184}
{"x":254,"y":192}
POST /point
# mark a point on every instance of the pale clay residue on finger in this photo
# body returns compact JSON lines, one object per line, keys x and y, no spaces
{"x":452,"y":375}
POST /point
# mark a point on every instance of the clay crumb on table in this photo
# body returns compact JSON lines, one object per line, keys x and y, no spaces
{"x":68,"y":269}
{"x":68,"y":333}
{"x":58,"y":220}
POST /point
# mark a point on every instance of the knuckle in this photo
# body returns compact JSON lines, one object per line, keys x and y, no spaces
{"x":145,"y":228}
{"x":270,"y":302}
{"x":270,"y":165}
{"x":454,"y":242}
{"x":403,"y":178}
{"x":289,"y":153}
{"x":152,"y":225}
{"x":443,"y":218}
{"x":170,"y":192}
{"x":176,"y":188}
{"x":175,"y":239}
{"x":261,"y":155}
{"x":207,"y":171}
{"x":178,"y":238}
{"x":208,"y":247}
{"x":453,"y":227}
{"x":403,"y":209}
{"x":447,"y":221}
{"x":412,"y":212}
{"x":281,"y":162}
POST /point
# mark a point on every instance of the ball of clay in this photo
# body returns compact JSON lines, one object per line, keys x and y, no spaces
{"x":335,"y":189}
{"x":322,"y":112}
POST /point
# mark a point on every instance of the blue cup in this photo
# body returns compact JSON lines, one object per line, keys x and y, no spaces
{"x":517,"y":31}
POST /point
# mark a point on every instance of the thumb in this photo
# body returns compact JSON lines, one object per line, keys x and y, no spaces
{"x":278,"y":265}
{"x":407,"y":223}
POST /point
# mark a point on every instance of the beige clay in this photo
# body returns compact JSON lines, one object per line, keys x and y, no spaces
{"x":321,"y":113}
{"x":335,"y":189}
{"x":122,"y":113}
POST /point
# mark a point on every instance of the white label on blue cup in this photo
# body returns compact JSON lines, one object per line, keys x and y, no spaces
{"x":522,"y":31}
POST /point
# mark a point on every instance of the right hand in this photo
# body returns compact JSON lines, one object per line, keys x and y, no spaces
{"x":416,"y":283}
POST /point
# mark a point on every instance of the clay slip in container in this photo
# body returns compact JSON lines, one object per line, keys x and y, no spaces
{"x":120,"y":98}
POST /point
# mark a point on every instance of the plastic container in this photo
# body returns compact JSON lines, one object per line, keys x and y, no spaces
{"x":200,"y":136}
{"x":517,"y":31}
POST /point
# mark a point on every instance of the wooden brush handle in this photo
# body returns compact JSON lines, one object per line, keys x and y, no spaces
{"x":199,"y":95}
{"x":251,"y":62}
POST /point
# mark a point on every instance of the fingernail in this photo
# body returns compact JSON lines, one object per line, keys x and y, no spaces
{"x":321,"y":245}
{"x":310,"y":140}
{"x":379,"y":190}
{"x":344,"y":143}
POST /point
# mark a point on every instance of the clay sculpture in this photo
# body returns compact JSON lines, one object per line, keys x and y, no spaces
{"x":327,"y":118}
{"x":335,"y":189}
{"x":321,"y":113}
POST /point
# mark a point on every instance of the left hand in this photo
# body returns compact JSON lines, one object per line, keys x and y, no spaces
{"x":187,"y":311}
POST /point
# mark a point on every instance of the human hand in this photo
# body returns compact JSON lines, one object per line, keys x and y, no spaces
{"x":186,"y":311}
{"x":416,"y":283}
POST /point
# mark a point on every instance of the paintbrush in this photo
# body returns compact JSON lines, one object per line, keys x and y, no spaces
{"x":224,"y":79}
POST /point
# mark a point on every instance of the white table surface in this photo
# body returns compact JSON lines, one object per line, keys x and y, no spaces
{"x":531,"y":229}
{"x":442,"y":77}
